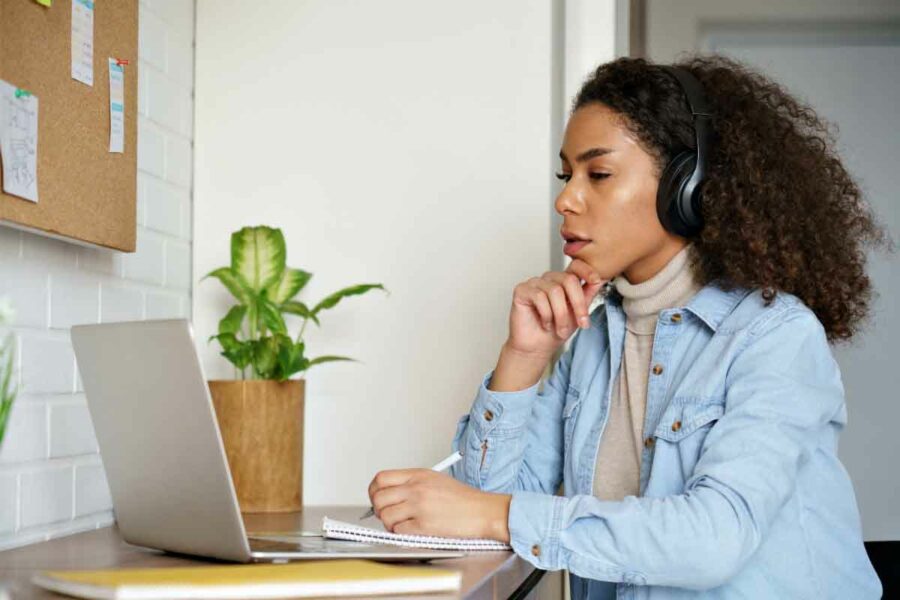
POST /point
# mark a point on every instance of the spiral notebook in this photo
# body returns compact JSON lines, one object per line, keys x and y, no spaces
{"x":332,"y":528}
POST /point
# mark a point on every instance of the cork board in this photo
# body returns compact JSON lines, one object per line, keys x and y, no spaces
{"x":85,"y":192}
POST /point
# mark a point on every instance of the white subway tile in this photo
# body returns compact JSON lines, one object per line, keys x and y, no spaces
{"x":163,"y":102}
{"x":151,"y":38}
{"x":26,"y":433}
{"x":91,"y":490}
{"x":148,"y":263}
{"x":163,"y":206}
{"x":26,"y":288}
{"x":71,"y":429}
{"x":100,"y":260}
{"x":9,"y":492}
{"x":179,"y":164}
{"x":45,"y":496}
{"x":143,"y":91}
{"x":180,"y":62}
{"x":161,"y":305}
{"x":178,"y":15}
{"x":10,"y":241}
{"x":74,"y":299}
{"x":39,"y":249}
{"x":187,"y":219}
{"x":178,"y":264}
{"x":120,"y":304}
{"x":151,"y":154}
{"x":48,"y":365}
{"x":141,"y":207}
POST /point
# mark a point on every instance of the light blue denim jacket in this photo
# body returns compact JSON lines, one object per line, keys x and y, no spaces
{"x":742,"y":493}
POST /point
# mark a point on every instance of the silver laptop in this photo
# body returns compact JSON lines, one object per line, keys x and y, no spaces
{"x":163,"y":454}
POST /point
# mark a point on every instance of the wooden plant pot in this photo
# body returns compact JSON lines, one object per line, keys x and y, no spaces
{"x":262,"y":428}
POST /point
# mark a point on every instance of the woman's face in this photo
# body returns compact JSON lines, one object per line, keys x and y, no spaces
{"x":609,"y":198}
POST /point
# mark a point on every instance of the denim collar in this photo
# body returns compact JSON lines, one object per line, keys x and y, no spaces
{"x":711,"y":304}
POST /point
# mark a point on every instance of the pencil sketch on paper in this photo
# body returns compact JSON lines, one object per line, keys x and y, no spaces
{"x":18,"y":141}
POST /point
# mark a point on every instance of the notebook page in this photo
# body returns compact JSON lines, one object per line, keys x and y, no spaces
{"x":332,"y":528}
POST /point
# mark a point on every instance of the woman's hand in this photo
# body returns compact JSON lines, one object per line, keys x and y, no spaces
{"x":546,"y":310}
{"x":426,"y":502}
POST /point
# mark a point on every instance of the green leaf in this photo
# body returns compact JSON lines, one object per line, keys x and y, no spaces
{"x":258,"y":256}
{"x":231,"y":323}
{"x":231,"y":280}
{"x":290,"y":358}
{"x":294,"y":307}
{"x":265,"y":357}
{"x":334,"y":298}
{"x":7,"y":393}
{"x":292,"y":281}
{"x":270,"y":315}
{"x":322,"y":359}
{"x":236,"y":351}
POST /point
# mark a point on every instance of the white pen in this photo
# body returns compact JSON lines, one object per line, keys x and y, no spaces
{"x":441,"y":466}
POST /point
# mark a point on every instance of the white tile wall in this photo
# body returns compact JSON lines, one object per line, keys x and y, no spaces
{"x":51,"y":476}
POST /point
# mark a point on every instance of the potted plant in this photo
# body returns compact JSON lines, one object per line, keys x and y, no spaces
{"x":260,"y":412}
{"x":7,"y":355}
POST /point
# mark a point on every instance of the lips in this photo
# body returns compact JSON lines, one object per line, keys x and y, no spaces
{"x":569,"y":236}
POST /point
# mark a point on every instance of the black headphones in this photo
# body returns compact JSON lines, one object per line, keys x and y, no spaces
{"x":678,"y":196}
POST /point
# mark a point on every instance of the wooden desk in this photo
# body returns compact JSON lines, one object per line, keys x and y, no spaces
{"x":485,"y":575}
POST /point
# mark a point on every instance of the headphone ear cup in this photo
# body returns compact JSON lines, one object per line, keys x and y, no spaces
{"x":672,"y":182}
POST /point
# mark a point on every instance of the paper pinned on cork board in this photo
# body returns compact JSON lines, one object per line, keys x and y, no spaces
{"x":18,"y":141}
{"x":83,"y":41}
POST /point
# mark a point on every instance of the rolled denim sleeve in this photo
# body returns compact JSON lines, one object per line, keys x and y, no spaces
{"x":514,"y":440}
{"x":781,"y":391}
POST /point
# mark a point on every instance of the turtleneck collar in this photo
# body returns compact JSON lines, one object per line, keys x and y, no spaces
{"x":673,"y":285}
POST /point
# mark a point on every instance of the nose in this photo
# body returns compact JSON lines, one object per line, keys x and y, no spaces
{"x":569,"y":199}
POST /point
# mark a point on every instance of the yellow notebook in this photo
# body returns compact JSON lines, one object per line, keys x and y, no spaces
{"x":297,"y":580}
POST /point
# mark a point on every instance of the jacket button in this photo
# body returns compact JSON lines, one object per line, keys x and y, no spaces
{"x":648,"y":442}
{"x":536,"y":550}
{"x":488,"y":415}
{"x":657,"y":369}
{"x":676,"y":318}
{"x":676,"y":425}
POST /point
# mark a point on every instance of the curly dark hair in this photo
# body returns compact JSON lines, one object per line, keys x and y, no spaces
{"x":780,"y":210}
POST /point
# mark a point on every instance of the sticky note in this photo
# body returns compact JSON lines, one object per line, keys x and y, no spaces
{"x":116,"y":106}
{"x":18,"y":141}
{"x":45,"y":2}
{"x":83,"y":41}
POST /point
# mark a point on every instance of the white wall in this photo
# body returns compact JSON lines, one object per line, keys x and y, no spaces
{"x":401,"y":142}
{"x":51,"y":478}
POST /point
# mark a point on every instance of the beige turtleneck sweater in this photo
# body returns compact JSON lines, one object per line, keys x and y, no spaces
{"x":618,"y":467}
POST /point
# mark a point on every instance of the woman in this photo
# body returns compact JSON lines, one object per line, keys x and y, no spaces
{"x":693,"y":420}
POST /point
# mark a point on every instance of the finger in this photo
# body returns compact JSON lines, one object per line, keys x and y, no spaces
{"x":594,"y":282}
{"x":408,"y":527}
{"x":385,"y":497}
{"x":584,"y":271}
{"x":572,"y":285}
{"x":538,"y":299}
{"x":562,"y":313}
{"x":396,"y":513}
{"x":390,"y":478}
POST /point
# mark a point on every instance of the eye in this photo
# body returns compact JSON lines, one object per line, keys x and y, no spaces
{"x":595,"y":176}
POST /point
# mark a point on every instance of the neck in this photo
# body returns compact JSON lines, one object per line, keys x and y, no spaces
{"x":643,"y":269}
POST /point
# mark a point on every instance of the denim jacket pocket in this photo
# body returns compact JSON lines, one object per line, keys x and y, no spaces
{"x":686,"y":416}
{"x":570,"y":413}
{"x":680,"y":434}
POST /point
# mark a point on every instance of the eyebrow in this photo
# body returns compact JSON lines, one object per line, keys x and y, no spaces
{"x":587,"y":154}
